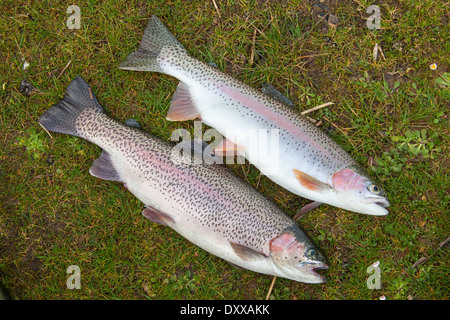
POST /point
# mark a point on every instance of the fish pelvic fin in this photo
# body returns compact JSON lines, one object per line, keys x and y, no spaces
{"x":227,"y":148}
{"x":182,"y":107}
{"x":307,"y":208}
{"x":146,"y":57}
{"x":62,"y":116}
{"x":157,"y":216}
{"x":246,"y":253}
{"x":309,"y":182}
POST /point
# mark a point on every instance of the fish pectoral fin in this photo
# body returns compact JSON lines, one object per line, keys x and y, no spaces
{"x":246,"y":253}
{"x":307,"y":208}
{"x":227,"y":148}
{"x":309,"y":182}
{"x":103,"y":168}
{"x":182,"y":107}
{"x":157,"y":216}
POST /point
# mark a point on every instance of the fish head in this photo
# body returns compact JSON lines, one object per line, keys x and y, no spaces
{"x":297,"y":258}
{"x":359,"y":193}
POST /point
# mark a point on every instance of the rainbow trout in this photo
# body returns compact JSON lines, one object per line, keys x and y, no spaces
{"x":299,"y":157}
{"x":207,"y":204}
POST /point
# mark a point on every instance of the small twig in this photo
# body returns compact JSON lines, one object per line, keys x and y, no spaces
{"x":261,"y":32}
{"x":60,"y":74}
{"x":419,"y":262}
{"x":443,"y":243}
{"x":375,"y":53}
{"x":311,"y":119}
{"x":271,"y":287}
{"x":217,"y":9}
{"x":317,"y":108}
{"x":376,"y":49}
{"x":246,"y":173}
{"x":45,"y":130}
{"x":382,"y":54}
{"x":252,"y":52}
{"x":424,"y":259}
{"x":343,"y":131}
{"x":257,"y":183}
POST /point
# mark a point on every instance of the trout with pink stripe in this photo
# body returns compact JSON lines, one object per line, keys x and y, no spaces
{"x":207,"y":204}
{"x":279,"y":141}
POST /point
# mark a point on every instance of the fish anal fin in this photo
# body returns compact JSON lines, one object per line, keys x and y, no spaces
{"x":103,"y":168}
{"x":182,"y":107}
{"x":157,"y":216}
{"x":246,"y":253}
{"x":227,"y":148}
{"x":309,"y":182}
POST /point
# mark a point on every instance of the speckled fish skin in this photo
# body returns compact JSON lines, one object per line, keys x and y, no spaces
{"x":309,"y":163}
{"x":207,"y":204}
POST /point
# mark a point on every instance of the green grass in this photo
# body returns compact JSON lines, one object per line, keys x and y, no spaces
{"x":385,"y":113}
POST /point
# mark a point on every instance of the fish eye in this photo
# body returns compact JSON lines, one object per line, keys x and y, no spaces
{"x":374,"y":189}
{"x":311,"y":254}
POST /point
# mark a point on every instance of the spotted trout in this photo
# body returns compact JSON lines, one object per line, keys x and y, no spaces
{"x":205,"y":203}
{"x":301,"y":158}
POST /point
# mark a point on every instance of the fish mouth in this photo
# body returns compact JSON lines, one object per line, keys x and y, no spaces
{"x":379,"y":201}
{"x":383,"y":204}
{"x":321,"y":266}
{"x":312,"y":268}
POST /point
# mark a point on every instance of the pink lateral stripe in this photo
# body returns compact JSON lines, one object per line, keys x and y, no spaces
{"x":267,"y":113}
{"x":145,"y":154}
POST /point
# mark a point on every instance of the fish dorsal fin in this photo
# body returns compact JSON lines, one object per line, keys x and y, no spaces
{"x":133,"y":123}
{"x":157,"y":216}
{"x":103,"y":168}
{"x":309,"y":182}
{"x":182,"y":107}
{"x":270,"y":90}
{"x":227,"y":148}
{"x":246,"y":253}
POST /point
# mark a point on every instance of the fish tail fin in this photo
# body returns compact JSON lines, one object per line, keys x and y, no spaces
{"x":156,"y":37}
{"x":62,"y":116}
